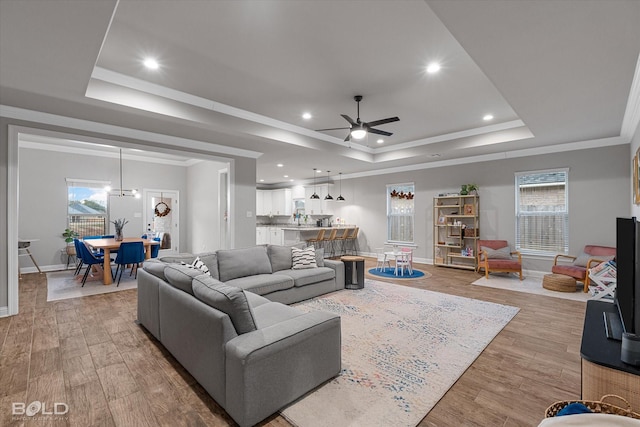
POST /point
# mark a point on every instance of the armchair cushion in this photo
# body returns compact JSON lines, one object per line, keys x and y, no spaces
{"x":583,"y":259}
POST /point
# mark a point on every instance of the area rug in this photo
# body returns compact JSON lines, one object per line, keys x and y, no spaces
{"x":63,"y":285}
{"x":402,"y":349}
{"x":530,"y":285}
{"x":389,"y":273}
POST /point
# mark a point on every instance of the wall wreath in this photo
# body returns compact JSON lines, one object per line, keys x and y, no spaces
{"x":162,"y":209}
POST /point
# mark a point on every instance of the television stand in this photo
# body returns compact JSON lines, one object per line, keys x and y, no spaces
{"x":602,"y":370}
{"x":612,"y":325}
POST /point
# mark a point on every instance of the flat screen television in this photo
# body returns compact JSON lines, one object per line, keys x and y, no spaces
{"x":627,"y":295}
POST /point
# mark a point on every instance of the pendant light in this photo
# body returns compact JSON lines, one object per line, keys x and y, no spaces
{"x":314,"y":196}
{"x":328,"y":196}
{"x":340,"y":198}
{"x":121,"y":192}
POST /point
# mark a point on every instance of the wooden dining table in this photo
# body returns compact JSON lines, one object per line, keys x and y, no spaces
{"x":109,"y":245}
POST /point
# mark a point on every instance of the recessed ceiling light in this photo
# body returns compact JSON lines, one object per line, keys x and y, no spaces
{"x":433,"y":67}
{"x":319,"y":171}
{"x":380,"y":141}
{"x":306,"y":115}
{"x":286,"y":176}
{"x":262,"y":180}
{"x":487,"y":117}
{"x":151,"y":63}
{"x":280,"y":165}
{"x":291,"y":180}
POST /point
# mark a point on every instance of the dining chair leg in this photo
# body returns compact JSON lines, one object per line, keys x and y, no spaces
{"x":86,"y":274}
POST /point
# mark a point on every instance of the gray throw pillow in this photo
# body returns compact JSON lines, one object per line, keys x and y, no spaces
{"x":502,"y":253}
{"x":234,"y":263}
{"x":180,"y":276}
{"x":320,"y":257}
{"x":303,"y":258}
{"x":228,"y":299}
{"x":280,"y":257}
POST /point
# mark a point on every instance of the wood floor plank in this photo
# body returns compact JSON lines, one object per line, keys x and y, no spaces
{"x":115,"y":373}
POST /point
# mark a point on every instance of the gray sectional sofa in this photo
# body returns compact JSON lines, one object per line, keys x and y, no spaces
{"x":231,"y":331}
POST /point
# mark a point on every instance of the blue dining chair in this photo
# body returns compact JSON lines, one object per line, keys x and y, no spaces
{"x":155,"y":249}
{"x":89,"y":259}
{"x":129,"y":253}
{"x":108,"y":236}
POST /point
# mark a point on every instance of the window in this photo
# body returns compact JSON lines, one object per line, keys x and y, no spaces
{"x":400,"y":212}
{"x":87,"y":203}
{"x":542,"y":215}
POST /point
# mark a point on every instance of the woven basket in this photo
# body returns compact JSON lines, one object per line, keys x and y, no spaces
{"x":597,"y":406}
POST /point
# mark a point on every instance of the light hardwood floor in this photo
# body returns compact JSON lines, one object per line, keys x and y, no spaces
{"x":90,"y":354}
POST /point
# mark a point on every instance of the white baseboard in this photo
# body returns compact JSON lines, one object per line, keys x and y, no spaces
{"x":45,"y":268}
{"x":4,"y":311}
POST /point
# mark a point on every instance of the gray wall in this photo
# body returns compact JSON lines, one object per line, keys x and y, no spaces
{"x":634,"y":146}
{"x":598,"y":192}
{"x":43,"y":199}
{"x":243,"y":203}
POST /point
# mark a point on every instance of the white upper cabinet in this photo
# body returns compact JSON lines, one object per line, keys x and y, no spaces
{"x":274,"y":202}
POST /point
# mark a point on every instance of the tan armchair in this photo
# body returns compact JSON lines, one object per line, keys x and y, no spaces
{"x":494,"y":256}
{"x":591,"y":256}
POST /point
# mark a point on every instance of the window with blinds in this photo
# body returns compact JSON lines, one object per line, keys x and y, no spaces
{"x":400,"y":212}
{"x":542,"y":214}
{"x":87,"y":207}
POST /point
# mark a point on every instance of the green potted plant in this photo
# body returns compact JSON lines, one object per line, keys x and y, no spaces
{"x":472,"y":189}
{"x":463,"y":190}
{"x":69,"y":235}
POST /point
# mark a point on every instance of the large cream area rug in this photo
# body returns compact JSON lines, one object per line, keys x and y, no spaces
{"x":63,"y":285}
{"x":529,"y":285}
{"x":402,"y":349}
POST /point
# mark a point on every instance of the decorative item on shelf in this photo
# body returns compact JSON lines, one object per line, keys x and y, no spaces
{"x":161,"y":209}
{"x":119,"y":225}
{"x":328,"y":196}
{"x":469,"y":209}
{"x":314,"y":196}
{"x":468,"y":189}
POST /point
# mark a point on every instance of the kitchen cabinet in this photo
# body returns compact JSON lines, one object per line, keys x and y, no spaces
{"x":318,"y":206}
{"x":274,"y":202}
{"x":262,"y":235}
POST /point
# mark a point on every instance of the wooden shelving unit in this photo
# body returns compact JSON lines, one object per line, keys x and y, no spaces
{"x":456,"y":231}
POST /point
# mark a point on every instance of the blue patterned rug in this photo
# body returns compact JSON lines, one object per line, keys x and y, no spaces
{"x":389,"y":273}
{"x":402,"y":349}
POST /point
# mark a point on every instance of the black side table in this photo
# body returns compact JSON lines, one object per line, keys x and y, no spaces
{"x":353,"y":272}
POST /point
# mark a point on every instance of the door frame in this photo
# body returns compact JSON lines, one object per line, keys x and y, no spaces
{"x":175,"y":243}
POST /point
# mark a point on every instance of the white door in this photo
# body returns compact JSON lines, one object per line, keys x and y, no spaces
{"x":162,"y":218}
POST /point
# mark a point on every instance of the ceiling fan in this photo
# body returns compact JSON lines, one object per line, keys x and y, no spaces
{"x":359,"y":129}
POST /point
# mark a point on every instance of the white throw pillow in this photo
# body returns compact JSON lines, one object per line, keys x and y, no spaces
{"x":303,"y":258}
{"x":197,"y":263}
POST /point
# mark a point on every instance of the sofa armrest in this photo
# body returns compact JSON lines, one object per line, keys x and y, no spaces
{"x":555,"y":260}
{"x":271,"y":367}
{"x":338,"y":267}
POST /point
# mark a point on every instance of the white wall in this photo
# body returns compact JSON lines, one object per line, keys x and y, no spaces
{"x":203,"y":220}
{"x":598,"y":193}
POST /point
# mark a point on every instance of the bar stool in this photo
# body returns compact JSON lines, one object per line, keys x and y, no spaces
{"x":352,"y":240}
{"x":342,"y":239}
{"x":329,"y":242}
{"x":317,"y":240}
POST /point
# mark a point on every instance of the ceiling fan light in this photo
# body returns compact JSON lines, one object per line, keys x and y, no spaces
{"x":358,"y":133}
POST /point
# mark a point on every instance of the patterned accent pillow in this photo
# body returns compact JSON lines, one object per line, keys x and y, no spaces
{"x":198,"y":264}
{"x":303,"y":258}
{"x":502,"y":253}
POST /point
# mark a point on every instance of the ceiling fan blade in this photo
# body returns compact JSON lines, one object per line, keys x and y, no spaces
{"x":320,"y":130}
{"x":348,"y":138}
{"x":349,"y":119}
{"x":380,"y":132}
{"x":383,"y":121}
